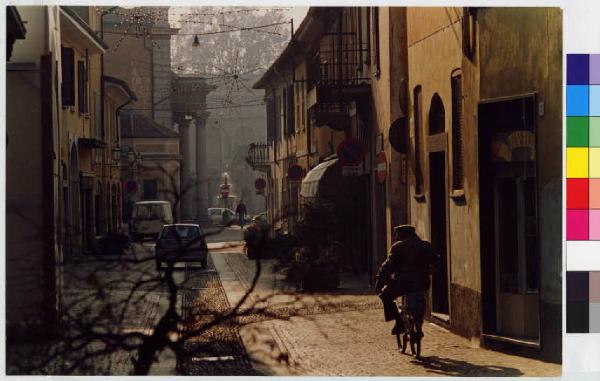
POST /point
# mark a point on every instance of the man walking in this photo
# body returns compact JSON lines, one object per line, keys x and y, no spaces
{"x":241,"y":212}
{"x":405,"y":272}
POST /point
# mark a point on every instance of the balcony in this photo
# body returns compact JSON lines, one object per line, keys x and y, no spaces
{"x":258,"y":157}
{"x":338,"y":74}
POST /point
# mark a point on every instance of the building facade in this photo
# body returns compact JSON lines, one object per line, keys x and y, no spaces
{"x":139,"y":41}
{"x":150,"y":162}
{"x":479,"y":190}
{"x":33,"y":245}
{"x":453,"y":99}
{"x":58,"y":168}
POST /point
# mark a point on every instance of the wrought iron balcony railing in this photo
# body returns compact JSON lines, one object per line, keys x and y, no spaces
{"x":258,"y":156}
{"x":337,"y":66}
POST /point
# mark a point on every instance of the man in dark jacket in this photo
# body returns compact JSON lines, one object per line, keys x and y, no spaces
{"x":405,"y":272}
{"x":241,"y":212}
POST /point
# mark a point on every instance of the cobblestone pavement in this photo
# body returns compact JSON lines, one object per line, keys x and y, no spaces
{"x":102,"y":296}
{"x":342,"y":334}
{"x":218,"y":350}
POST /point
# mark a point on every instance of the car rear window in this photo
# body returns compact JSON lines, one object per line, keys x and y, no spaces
{"x":149,"y":212}
{"x":181,"y":232}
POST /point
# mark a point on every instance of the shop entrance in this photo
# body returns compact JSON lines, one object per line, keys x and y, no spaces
{"x":509,"y":225}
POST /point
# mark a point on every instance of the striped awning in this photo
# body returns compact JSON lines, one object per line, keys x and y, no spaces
{"x":310,"y":183}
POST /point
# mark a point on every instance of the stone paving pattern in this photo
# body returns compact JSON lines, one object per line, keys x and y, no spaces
{"x":348,"y":337}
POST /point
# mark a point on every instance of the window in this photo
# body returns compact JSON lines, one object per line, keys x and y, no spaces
{"x":376,"y":68}
{"x":437,"y":116}
{"x":289,"y":112}
{"x":68,"y":76}
{"x":303,"y":105}
{"x":180,"y":232}
{"x":457,"y":132}
{"x":417,"y":130}
{"x":277,"y":117}
{"x":270,"y":118}
{"x":151,"y":189}
{"x":82,"y":91}
{"x":468,"y":32}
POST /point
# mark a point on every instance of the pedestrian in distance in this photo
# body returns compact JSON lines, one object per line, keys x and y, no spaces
{"x":405,"y":273}
{"x":241,"y":212}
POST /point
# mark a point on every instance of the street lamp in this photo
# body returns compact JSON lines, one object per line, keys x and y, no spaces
{"x":116,"y":155}
{"x":133,"y":158}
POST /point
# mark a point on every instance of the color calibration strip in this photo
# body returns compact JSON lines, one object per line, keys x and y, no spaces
{"x":583,"y":147}
{"x":583,"y":301}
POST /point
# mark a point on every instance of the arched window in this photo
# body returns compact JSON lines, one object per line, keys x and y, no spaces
{"x":436,"y":115}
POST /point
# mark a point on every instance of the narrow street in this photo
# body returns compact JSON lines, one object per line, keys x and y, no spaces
{"x":415,"y":146}
{"x":329,"y":334}
{"x":275,"y":331}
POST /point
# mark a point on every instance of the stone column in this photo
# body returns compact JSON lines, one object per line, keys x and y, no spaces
{"x":202,"y":193}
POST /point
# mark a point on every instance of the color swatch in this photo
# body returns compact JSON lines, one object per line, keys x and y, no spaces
{"x":583,"y":147}
{"x":583,"y":301}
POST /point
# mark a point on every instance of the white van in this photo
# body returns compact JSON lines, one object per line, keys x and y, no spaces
{"x":148,"y":218}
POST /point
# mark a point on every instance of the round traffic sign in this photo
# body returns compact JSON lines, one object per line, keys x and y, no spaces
{"x":350,"y":152}
{"x":381,"y":166}
{"x":260,"y":184}
{"x":131,"y":186}
{"x":224,"y":190}
{"x":398,"y":135}
{"x":295,"y":172}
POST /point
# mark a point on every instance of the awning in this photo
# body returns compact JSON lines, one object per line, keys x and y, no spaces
{"x":310,"y":184}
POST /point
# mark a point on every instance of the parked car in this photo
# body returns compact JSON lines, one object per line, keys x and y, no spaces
{"x":148,"y":218}
{"x":181,"y":243}
{"x":262,"y":220}
{"x":221,"y":216}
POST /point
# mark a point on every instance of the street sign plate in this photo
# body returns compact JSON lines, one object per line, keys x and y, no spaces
{"x":350,"y":152}
{"x":352,"y":170}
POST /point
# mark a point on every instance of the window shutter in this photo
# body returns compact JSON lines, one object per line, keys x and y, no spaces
{"x":457,"y":133}
{"x":82,"y":87}
{"x":277,"y":118}
{"x":270,"y":119}
{"x":418,"y":127}
{"x":376,"y":68}
{"x":68,"y":74}
{"x":290,"y":115}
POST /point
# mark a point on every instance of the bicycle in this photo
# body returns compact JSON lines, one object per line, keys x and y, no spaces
{"x":412,"y":320}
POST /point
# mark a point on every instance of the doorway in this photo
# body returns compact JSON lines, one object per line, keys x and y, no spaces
{"x":508,"y":218}
{"x":437,"y":190}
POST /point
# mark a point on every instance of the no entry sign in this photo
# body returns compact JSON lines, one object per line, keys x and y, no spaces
{"x":381,"y":166}
{"x":260,"y":184}
{"x":131,"y":186}
{"x":224,"y":190}
{"x":350,"y":152}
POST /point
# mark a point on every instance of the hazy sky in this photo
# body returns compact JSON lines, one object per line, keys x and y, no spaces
{"x":297,"y":13}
